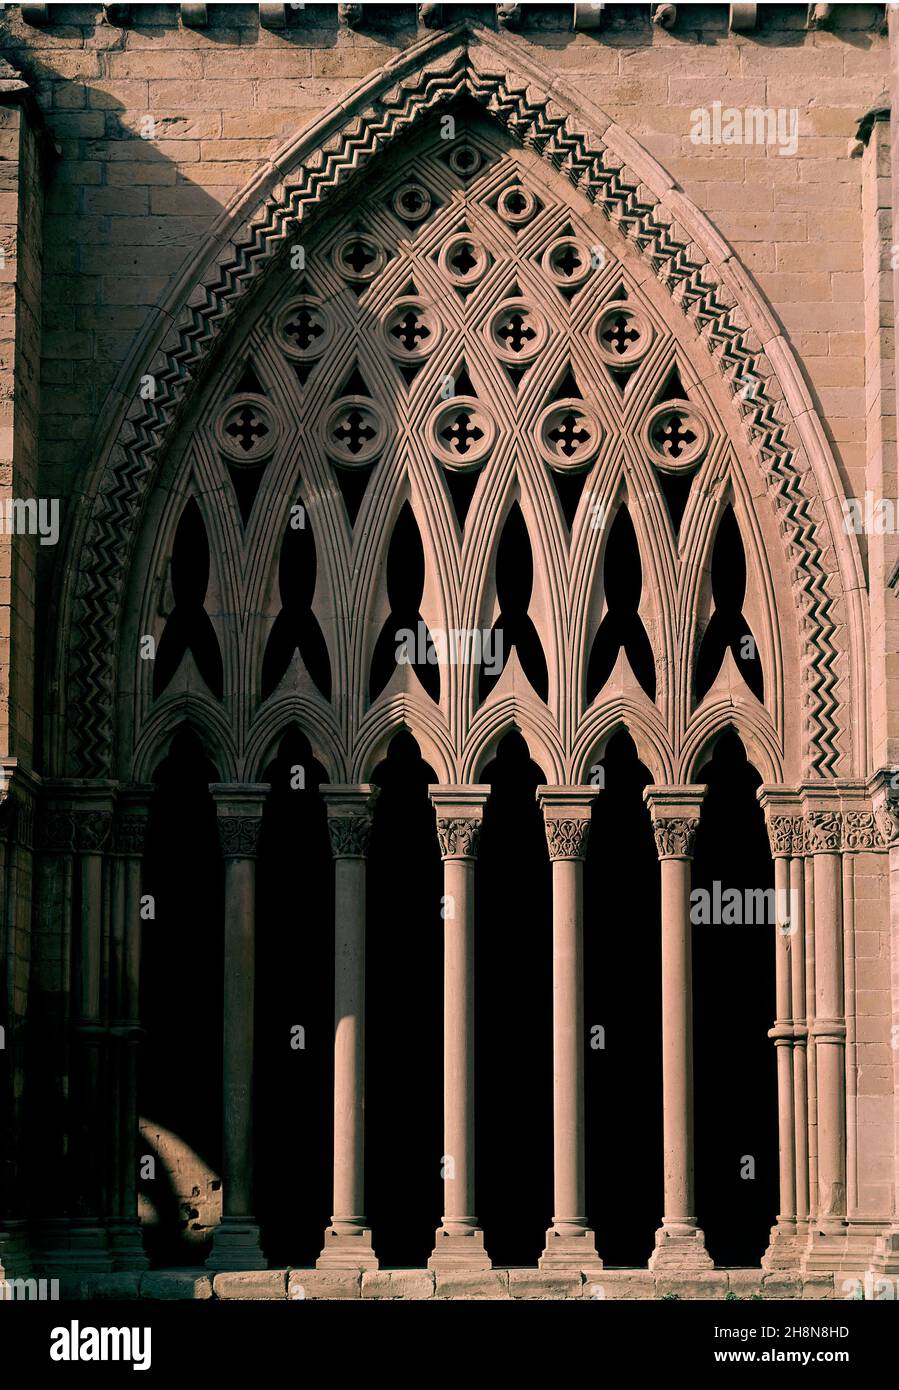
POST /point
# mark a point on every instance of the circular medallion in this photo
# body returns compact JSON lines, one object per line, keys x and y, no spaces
{"x":461,"y":432}
{"x":676,"y":436}
{"x":517,"y":331}
{"x":411,"y":329}
{"x":303,"y":329}
{"x":412,"y":202}
{"x":623,"y":334}
{"x":247,"y":429}
{"x":567,"y":262}
{"x":465,"y":160}
{"x":353,"y":431}
{"x":516,"y":205}
{"x":463,"y":260}
{"x":568,"y":435}
{"x":358,"y":258}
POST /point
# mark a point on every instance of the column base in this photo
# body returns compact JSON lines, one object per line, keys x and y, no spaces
{"x":236,"y":1245}
{"x":79,"y":1245}
{"x":569,"y":1246}
{"x":786,"y":1245}
{"x":885,"y":1261}
{"x":347,"y":1246}
{"x":459,"y":1247}
{"x":126,"y":1244}
{"x":680,"y":1248}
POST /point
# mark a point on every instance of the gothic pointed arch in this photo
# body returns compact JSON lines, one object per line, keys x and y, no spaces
{"x":534,"y":307}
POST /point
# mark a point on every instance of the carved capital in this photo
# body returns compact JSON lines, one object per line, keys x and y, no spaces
{"x":675,"y":818}
{"x":238,"y":813}
{"x":675,"y":836}
{"x":239,"y":836}
{"x":786,"y":835}
{"x":566,"y":837}
{"x":458,"y":836}
{"x":56,"y":830}
{"x":93,"y":830}
{"x":823,"y":832}
{"x":350,"y":813}
{"x":459,"y":813}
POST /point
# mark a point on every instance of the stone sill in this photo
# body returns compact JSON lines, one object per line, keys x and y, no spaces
{"x":274,"y":1285}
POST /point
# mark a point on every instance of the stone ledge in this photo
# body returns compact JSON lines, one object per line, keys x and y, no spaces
{"x":416,"y":1285}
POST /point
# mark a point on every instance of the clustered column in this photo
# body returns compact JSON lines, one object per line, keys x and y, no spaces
{"x":680,"y":1244}
{"x":236,"y":1243}
{"x":566,"y":814}
{"x":348,"y":1239}
{"x":459,"y":1241}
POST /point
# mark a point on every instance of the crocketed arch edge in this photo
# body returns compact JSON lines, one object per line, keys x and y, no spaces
{"x":611,"y":169}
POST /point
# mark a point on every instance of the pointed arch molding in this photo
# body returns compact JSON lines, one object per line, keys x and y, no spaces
{"x":615,"y":174}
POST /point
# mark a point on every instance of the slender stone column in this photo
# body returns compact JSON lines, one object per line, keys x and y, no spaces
{"x":88,"y":1237}
{"x":459,"y":1241}
{"x":824,"y":839}
{"x":236,"y":1243}
{"x":783,"y":829}
{"x":125,"y":1232}
{"x":566,"y":814}
{"x":680,"y":1244}
{"x":348,"y":1239}
{"x":800,"y":1028}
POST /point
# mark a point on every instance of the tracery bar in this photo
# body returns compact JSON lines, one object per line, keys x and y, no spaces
{"x":459,"y":1241}
{"x":680,"y":1244}
{"x":566,"y":813}
{"x":236,"y":1243}
{"x":348,"y":1239}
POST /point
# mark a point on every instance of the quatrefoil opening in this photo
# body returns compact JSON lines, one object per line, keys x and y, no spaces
{"x":353,"y":431}
{"x":358,"y":259}
{"x":568,"y":435}
{"x":464,"y":261}
{"x":676,"y":436}
{"x":412,"y":329}
{"x":517,"y":332}
{"x":461,"y":432}
{"x":623,"y":335}
{"x":247,"y":429}
{"x":303,"y":329}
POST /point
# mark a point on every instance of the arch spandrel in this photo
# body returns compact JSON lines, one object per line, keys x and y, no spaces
{"x":675,"y":270}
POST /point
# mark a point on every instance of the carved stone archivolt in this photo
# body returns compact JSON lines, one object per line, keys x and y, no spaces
{"x":630,"y":195}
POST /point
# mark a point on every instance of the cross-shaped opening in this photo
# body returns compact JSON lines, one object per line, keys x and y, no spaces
{"x":303,"y":328}
{"x":412,"y":201}
{"x":567,"y":261}
{"x":462,"y":433}
{"x":516,"y":332}
{"x":246,"y":428}
{"x":620,"y":335}
{"x":516,"y":202}
{"x":357,"y":256}
{"x":409,"y":329}
{"x":670,"y":439}
{"x":353,"y":432}
{"x":568,"y":437}
{"x":463,"y":260}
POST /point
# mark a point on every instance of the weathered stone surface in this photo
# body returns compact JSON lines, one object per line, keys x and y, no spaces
{"x":693,"y":1286}
{"x":176,"y":1283}
{"x":252,"y":1283}
{"x":490,"y":1283}
{"x":324,"y":1283}
{"x":544,"y":1283}
{"x":398,"y":1283}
